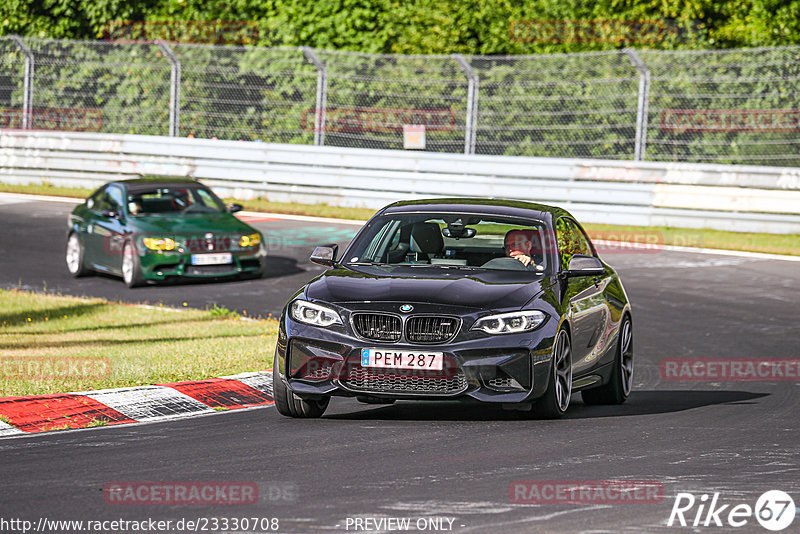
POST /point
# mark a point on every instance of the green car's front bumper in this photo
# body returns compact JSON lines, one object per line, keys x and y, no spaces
{"x":160,"y":265}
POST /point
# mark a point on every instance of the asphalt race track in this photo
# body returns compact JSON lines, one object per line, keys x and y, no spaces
{"x":451,"y":461}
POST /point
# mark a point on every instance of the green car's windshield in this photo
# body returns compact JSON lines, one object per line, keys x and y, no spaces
{"x":173,"y":199}
{"x":453,"y":241}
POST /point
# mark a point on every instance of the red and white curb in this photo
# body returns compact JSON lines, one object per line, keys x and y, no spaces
{"x":43,"y":413}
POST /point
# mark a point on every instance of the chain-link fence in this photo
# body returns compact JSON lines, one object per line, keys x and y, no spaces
{"x":731,"y":106}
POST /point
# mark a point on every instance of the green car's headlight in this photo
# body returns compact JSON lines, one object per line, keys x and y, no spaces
{"x":510,"y":323}
{"x":159,"y":243}
{"x":250,"y":240}
{"x":313,"y":314}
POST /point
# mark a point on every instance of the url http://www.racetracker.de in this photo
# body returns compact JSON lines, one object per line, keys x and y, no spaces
{"x":197,"y":524}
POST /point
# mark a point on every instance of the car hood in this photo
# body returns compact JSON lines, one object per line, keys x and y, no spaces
{"x":453,"y":287}
{"x":189,"y":224}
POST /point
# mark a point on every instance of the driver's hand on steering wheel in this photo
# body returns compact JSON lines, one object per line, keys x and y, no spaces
{"x":526,"y":260}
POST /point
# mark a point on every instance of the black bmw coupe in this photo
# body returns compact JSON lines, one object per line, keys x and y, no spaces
{"x":497,"y":301}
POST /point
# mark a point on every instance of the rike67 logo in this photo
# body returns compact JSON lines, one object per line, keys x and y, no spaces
{"x":774,"y":510}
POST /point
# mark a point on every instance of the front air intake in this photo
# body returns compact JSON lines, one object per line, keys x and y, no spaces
{"x":431,"y":329}
{"x":378,"y":326}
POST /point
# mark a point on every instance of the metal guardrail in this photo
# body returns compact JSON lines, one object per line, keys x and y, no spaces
{"x":735,"y":106}
{"x":725,"y":197}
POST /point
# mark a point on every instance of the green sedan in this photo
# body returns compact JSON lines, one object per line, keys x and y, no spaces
{"x":151,"y":229}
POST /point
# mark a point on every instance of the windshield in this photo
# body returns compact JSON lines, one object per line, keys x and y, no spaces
{"x":453,"y":241}
{"x":173,"y":199}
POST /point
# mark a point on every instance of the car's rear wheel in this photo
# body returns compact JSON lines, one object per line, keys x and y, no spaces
{"x":74,"y":256}
{"x":554,"y":403}
{"x":617,"y":390}
{"x":131,"y":267}
{"x":291,"y":405}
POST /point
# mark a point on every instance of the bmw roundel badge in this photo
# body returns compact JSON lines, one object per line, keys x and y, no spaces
{"x":405,"y":308}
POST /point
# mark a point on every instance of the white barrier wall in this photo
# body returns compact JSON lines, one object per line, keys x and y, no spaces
{"x":724,"y":197}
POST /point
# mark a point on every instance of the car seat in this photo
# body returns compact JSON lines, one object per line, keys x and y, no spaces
{"x":426,"y":241}
{"x":398,"y":253}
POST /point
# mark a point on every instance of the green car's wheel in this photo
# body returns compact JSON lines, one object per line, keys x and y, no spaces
{"x":131,"y":267}
{"x":75,"y":264}
{"x":291,"y":405}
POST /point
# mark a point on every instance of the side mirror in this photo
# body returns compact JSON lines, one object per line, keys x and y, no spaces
{"x":233,"y":208}
{"x":581,"y":265}
{"x":325,"y":255}
{"x":111,"y":214}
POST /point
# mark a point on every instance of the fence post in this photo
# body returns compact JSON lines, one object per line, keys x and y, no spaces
{"x":174,"y":89}
{"x":640,"y":144}
{"x":322,"y":94}
{"x":27,"y":82}
{"x":470,"y":136}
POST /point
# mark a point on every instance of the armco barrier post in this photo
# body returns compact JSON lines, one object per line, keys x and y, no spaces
{"x":470,"y":134}
{"x":174,"y":89}
{"x":27,"y":84}
{"x":640,"y":144}
{"x":322,"y":94}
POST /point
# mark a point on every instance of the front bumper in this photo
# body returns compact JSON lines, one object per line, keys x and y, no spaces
{"x":157,"y":265}
{"x":511,"y":368}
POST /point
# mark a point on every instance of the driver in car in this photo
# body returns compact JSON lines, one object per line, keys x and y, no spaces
{"x":518,"y":245}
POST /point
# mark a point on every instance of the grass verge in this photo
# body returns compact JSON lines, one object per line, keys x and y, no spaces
{"x":56,"y":344}
{"x":787,"y":244}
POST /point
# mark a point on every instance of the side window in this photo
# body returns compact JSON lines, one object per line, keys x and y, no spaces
{"x":114,"y":198}
{"x":571,"y":240}
{"x":110,"y":198}
{"x":206,"y":199}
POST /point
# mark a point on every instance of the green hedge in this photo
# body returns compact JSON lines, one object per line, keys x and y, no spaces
{"x":425,"y":26}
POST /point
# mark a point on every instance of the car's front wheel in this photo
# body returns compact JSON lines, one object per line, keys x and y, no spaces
{"x":131,"y":268}
{"x":618,"y":388}
{"x":291,"y":405}
{"x":554,"y":403}
{"x":74,"y":256}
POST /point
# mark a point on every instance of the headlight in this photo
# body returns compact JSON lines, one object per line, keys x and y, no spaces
{"x":159,"y":243}
{"x":250,"y":240}
{"x":510,"y":323}
{"x":313,"y":314}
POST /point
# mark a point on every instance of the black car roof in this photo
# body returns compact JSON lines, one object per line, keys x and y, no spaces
{"x":494,"y":206}
{"x":147,"y":182}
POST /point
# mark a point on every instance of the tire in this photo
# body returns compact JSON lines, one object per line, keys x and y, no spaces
{"x":291,"y":405}
{"x":555,"y":401}
{"x":131,"y":266}
{"x":74,"y":256}
{"x":618,"y":388}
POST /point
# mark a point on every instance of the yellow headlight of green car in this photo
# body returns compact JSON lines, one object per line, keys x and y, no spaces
{"x":250,"y":240}
{"x":159,"y":243}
